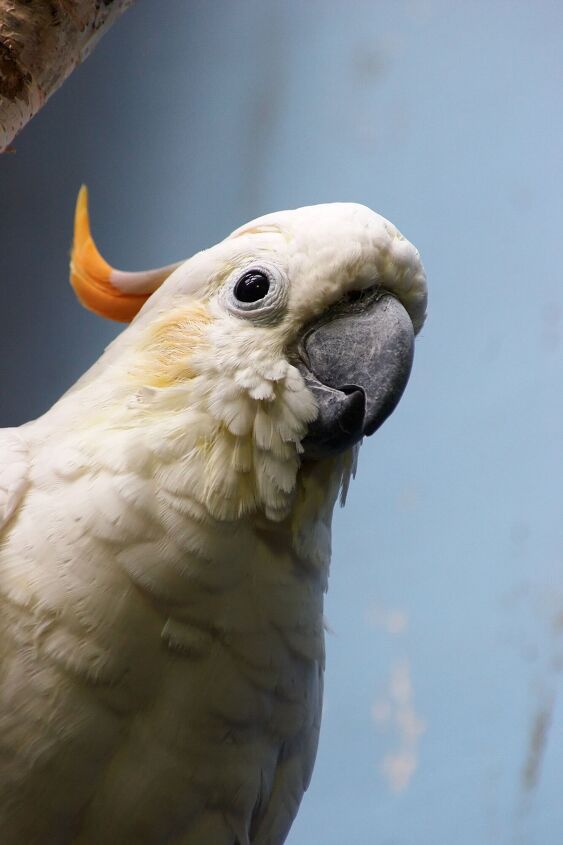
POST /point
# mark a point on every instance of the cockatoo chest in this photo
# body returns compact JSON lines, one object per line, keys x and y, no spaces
{"x":196,"y":646}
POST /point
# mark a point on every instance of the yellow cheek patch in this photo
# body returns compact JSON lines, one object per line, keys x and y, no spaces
{"x":169,"y":343}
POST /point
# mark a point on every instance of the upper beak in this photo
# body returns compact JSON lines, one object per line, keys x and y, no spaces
{"x":356,"y":361}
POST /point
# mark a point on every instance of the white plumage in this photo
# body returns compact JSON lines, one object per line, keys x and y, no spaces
{"x":164,"y":553}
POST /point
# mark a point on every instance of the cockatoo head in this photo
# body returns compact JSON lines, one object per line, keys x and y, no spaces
{"x":285,"y":343}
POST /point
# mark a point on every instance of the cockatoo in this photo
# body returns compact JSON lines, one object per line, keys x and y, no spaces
{"x":165,"y":532}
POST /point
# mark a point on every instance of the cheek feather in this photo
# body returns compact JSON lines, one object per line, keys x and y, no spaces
{"x":168,"y":346}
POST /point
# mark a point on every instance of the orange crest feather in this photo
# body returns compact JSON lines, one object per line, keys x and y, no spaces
{"x":113,"y":294}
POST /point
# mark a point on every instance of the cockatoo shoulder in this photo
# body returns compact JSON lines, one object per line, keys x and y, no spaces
{"x":14,"y":473}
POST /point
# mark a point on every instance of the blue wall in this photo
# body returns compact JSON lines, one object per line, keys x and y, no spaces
{"x":443,"y":719}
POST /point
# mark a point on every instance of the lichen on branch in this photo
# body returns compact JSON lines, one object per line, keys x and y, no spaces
{"x":41,"y":42}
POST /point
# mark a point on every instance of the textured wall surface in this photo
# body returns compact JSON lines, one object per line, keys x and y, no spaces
{"x":444,"y":715}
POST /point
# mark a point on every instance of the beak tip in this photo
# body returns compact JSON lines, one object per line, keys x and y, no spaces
{"x":340,"y":420}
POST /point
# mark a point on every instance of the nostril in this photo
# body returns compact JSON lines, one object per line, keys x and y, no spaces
{"x":354,"y":295}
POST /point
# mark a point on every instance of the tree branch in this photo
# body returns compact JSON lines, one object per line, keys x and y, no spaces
{"x":41,"y":42}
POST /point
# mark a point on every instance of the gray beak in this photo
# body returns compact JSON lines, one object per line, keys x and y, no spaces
{"x":356,"y":362}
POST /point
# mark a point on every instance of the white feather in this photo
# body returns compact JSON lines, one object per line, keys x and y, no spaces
{"x":164,"y":555}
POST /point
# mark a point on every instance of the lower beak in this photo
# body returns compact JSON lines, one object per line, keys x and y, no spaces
{"x":356,"y":362}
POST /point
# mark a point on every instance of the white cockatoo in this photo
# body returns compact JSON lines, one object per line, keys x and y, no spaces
{"x":165,"y":532}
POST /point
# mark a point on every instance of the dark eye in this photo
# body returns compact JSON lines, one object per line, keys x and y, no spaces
{"x":256,"y":292}
{"x":252,"y":287}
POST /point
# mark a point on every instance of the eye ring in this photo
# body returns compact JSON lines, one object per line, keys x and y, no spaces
{"x":257,"y":291}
